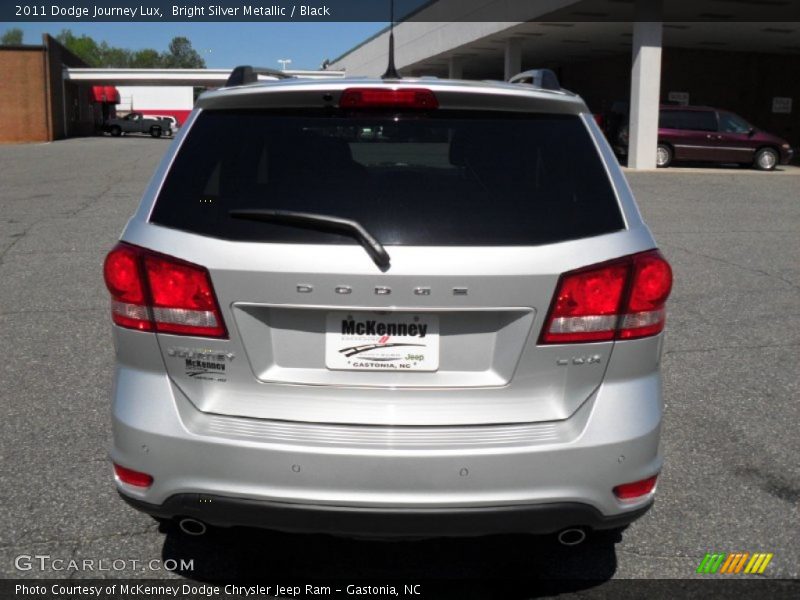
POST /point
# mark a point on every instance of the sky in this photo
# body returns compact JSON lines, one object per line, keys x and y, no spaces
{"x":224,"y":44}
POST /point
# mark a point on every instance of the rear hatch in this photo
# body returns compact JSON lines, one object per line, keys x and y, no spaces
{"x":480,"y":211}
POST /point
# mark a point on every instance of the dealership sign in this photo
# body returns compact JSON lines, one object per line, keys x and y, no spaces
{"x":681,"y":98}
{"x":782,"y":105}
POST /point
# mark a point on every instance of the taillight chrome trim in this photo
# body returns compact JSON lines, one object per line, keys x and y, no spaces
{"x":191,"y":318}
{"x":131,"y":316}
{"x":641,"y":324}
{"x":588,"y":324}
{"x":596,"y":327}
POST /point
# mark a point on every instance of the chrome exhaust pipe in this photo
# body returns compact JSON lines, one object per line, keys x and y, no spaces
{"x":571,"y":537}
{"x":192,"y":527}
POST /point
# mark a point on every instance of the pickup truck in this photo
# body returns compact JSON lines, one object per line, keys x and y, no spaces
{"x":135,"y":122}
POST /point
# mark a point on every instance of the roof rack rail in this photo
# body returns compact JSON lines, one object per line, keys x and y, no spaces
{"x":541,"y":78}
{"x":244,"y":74}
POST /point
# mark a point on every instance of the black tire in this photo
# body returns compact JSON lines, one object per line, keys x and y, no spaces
{"x":766,"y":159}
{"x":115,"y":131}
{"x":168,"y":133}
{"x":664,"y":156}
{"x":155,"y":131}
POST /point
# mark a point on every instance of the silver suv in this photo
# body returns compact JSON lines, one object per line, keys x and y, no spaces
{"x":388,"y":308}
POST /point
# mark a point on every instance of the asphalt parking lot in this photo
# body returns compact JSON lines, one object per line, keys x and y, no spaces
{"x":732,"y":476}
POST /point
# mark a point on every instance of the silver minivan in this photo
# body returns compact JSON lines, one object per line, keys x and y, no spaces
{"x":405,"y":307}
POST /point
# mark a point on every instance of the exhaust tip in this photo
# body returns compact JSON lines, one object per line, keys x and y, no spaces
{"x":192,"y":527}
{"x":571,"y":537}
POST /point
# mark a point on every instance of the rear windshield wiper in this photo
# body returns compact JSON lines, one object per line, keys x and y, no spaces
{"x":323,"y":223}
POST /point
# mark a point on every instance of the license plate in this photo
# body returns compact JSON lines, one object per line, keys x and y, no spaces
{"x":382,"y":341}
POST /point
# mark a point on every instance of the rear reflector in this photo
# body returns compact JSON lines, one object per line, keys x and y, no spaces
{"x":154,"y":292}
{"x":621,"y":299}
{"x":132,"y":477}
{"x":406,"y":98}
{"x":637,"y":489}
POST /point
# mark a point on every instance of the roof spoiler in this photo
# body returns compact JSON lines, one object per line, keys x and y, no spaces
{"x":541,"y":78}
{"x":244,"y":74}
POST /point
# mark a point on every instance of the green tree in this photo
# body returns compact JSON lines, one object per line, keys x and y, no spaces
{"x":84,"y":47}
{"x":111,"y":56}
{"x":145,"y":59}
{"x":181,"y":55}
{"x":12,"y":37}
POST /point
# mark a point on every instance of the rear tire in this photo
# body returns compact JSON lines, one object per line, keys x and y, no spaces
{"x":663,"y":156}
{"x":766,"y":159}
{"x":115,"y":131}
{"x":155,"y":132}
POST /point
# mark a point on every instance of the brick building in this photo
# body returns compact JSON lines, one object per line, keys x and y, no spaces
{"x":36,"y":104}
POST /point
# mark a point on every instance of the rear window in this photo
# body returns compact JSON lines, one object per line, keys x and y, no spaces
{"x":449,"y":178}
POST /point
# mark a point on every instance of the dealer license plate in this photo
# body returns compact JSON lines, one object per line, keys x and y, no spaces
{"x":382,"y":341}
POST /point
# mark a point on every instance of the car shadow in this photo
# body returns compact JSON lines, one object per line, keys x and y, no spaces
{"x":714,"y":166}
{"x":678,"y":165}
{"x":524,"y":566}
{"x":135,"y":136}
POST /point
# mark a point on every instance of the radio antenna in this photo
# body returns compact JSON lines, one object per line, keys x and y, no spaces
{"x":391,"y":70}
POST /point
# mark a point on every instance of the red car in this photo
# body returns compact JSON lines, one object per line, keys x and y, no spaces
{"x":703,"y":134}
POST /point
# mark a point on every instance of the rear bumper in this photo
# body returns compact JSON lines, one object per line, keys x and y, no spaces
{"x":353,"y":521}
{"x":377,"y":480}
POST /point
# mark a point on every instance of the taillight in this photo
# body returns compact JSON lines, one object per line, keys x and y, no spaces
{"x":622,"y":299}
{"x":153,"y":292}
{"x":652,"y":282}
{"x":183,"y":300}
{"x":131,"y":477}
{"x":636,"y":489}
{"x":405,"y":98}
{"x":586,"y":306}
{"x":123,"y":274}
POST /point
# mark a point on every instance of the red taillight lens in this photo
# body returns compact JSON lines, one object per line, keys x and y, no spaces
{"x":182,"y":298}
{"x":123,"y":276}
{"x":622,"y":299}
{"x":586,"y":305}
{"x":132,"y":477}
{"x":637,"y":489}
{"x":406,"y":98}
{"x":150,"y":292}
{"x":652,"y":283}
